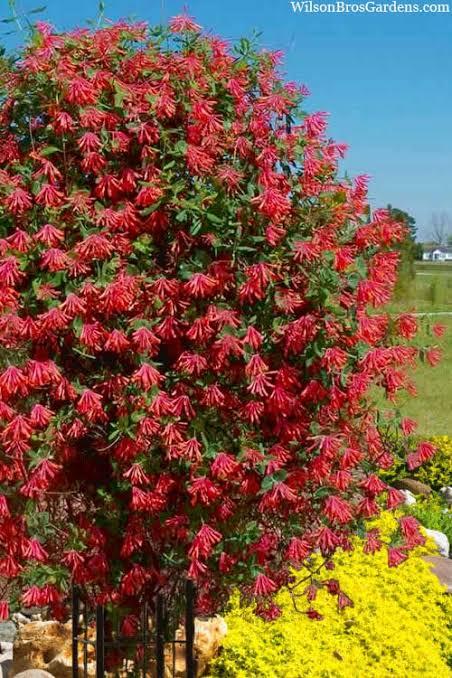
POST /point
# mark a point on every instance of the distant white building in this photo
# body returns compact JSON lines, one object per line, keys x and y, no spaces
{"x":438,"y":254}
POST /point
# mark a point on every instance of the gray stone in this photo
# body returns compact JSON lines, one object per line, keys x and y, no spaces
{"x":30,"y":611}
{"x":33,"y":673}
{"x":7,"y":631}
{"x":20,"y":618}
{"x":447,"y":494}
{"x":5,"y":668}
{"x":414,"y":486}
{"x":440,"y":540}
{"x":442,"y":567}
{"x":410,"y":499}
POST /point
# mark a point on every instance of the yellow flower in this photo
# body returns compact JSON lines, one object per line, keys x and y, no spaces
{"x":398,"y":626}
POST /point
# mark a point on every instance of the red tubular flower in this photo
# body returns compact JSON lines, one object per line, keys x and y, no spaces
{"x":196,"y":569}
{"x":423,"y":453}
{"x":396,"y":557}
{"x":224,"y":466}
{"x":49,"y":196}
{"x":204,"y":541}
{"x":407,"y":325}
{"x":373,"y":484}
{"x":12,"y":381}
{"x":183,"y":23}
{"x":80,"y":91}
{"x":90,"y":404}
{"x":264,"y":586}
{"x":409,"y":526}
{"x":298,"y":550}
{"x":18,"y":201}
{"x":4,"y":510}
{"x":433,"y":356}
{"x":394,"y":499}
{"x":438,"y":329}
{"x":35,"y":551}
{"x":129,"y":626}
{"x":63,"y":123}
{"x":203,"y":491}
{"x":337,"y":510}
{"x":226,"y":562}
{"x":134,"y":580}
{"x":147,"y":376}
{"x":344,"y":601}
{"x":38,"y":596}
{"x":4,"y":610}
{"x":145,"y":340}
{"x":198,"y":161}
{"x":373,"y":542}
{"x":408,"y":426}
{"x":327,"y":540}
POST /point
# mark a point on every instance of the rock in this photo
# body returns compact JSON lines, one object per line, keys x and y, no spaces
{"x":6,"y":659}
{"x":208,"y":637}
{"x":410,"y":499}
{"x":8,"y":632}
{"x":20,"y":618}
{"x":440,"y":540}
{"x":5,"y":668}
{"x":39,"y":643}
{"x":447,"y":494}
{"x":33,"y":673}
{"x":27,"y":611}
{"x":47,"y":646}
{"x":442,"y":567}
{"x":414,"y":486}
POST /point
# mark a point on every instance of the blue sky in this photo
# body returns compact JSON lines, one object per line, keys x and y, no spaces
{"x":385,"y":79}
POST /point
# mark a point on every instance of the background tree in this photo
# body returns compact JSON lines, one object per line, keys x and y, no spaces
{"x":409,"y":251}
{"x":441,"y":228}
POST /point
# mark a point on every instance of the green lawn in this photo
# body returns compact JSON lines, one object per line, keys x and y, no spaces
{"x":431,"y":292}
{"x":438,"y":267}
{"x":432,"y":408}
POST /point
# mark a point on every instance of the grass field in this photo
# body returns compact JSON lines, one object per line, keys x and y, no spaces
{"x":431,"y":292}
{"x":432,"y":408}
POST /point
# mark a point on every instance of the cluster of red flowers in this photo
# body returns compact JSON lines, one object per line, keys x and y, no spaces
{"x":187,"y":345}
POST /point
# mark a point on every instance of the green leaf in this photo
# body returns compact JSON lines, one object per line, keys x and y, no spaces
{"x":149,"y":210}
{"x":214,"y":219}
{"x":48,"y":150}
{"x":120,"y":94}
{"x":37,"y":10}
{"x":180,"y":148}
{"x":195,"y":227}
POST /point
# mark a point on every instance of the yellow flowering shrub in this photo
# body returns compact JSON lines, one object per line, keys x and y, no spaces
{"x":437,"y":472}
{"x":397,"y":628}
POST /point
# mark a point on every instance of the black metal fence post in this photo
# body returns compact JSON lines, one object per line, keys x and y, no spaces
{"x":145,"y":651}
{"x":189,"y":628}
{"x":160,"y":637}
{"x":75,"y":631}
{"x":100,"y":640}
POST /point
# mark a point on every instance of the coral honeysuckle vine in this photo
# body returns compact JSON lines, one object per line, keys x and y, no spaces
{"x":188,"y":325}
